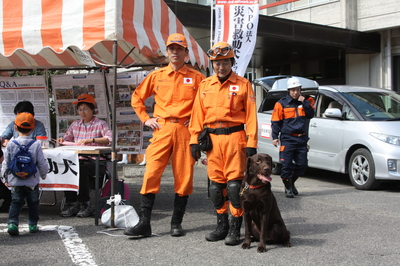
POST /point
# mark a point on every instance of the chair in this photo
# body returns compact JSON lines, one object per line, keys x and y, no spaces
{"x":48,"y":204}
{"x":107,"y":175}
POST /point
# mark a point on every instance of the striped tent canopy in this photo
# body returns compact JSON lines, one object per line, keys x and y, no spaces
{"x":66,"y":34}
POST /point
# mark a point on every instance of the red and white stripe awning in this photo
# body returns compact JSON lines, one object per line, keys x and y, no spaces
{"x":56,"y":34}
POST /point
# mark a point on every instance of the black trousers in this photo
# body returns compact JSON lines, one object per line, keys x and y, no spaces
{"x":87,"y":175}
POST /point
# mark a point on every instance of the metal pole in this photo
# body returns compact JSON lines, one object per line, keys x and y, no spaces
{"x":114,"y":131}
{"x":212,"y":4}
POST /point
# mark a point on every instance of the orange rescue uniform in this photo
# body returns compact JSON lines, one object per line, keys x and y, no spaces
{"x":174,"y":94}
{"x":226,"y":105}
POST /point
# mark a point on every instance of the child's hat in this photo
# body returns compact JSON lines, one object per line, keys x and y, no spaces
{"x":25,"y":120}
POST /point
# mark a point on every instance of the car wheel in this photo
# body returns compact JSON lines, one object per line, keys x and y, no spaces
{"x":362,"y":170}
{"x":276,"y":168}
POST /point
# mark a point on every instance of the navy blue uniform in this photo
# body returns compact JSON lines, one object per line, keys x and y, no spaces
{"x":289,"y":123}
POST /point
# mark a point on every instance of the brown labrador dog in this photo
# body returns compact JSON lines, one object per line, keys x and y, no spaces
{"x":262,"y":218}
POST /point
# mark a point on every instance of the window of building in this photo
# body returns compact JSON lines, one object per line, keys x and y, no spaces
{"x":396,"y":73}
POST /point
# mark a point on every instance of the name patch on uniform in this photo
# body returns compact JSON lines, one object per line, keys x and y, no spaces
{"x":234,"y":88}
{"x":187,"y":81}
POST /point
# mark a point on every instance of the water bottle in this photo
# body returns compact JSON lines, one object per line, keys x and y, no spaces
{"x":44,"y":141}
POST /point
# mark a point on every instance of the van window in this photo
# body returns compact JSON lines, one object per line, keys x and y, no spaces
{"x":325,"y":102}
{"x":269,"y":101}
{"x":375,"y":106}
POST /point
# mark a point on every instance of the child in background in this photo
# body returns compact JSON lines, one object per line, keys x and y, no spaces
{"x":24,"y":188}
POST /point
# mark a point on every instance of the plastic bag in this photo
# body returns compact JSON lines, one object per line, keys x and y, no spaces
{"x":124,"y":216}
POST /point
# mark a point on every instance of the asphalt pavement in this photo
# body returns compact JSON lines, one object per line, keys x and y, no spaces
{"x":331,"y":223}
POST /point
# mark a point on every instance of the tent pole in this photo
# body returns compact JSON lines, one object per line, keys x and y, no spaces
{"x":212,"y":5}
{"x":114,"y":131}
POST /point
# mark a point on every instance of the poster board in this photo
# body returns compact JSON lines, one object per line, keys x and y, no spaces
{"x":66,"y":89}
{"x":132,"y":136}
{"x":25,"y":88}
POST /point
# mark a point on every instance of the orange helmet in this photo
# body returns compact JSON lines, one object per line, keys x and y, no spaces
{"x":221,"y":50}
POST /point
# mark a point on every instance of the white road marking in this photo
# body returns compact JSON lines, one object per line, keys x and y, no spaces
{"x":78,"y":251}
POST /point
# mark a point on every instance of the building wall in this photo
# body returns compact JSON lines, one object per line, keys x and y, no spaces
{"x":375,"y":15}
{"x":372,"y":15}
{"x":362,"y":15}
{"x":325,"y":13}
{"x":357,"y":70}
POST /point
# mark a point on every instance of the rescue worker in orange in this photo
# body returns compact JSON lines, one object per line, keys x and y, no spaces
{"x":224,"y":103}
{"x":289,"y":124}
{"x":174,"y":88}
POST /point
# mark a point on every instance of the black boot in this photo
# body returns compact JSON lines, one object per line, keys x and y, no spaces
{"x":294,"y":189}
{"x":143,"y":228}
{"x":288,"y":187}
{"x":233,"y":237}
{"x":177,"y":216}
{"x":222,"y":228}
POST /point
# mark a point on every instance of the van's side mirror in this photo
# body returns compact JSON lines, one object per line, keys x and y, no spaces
{"x":333,"y":113}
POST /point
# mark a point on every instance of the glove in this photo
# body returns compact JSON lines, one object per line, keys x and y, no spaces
{"x":196,"y":152}
{"x":250,"y":151}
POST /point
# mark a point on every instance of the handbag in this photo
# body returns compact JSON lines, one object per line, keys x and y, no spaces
{"x":124,"y":215}
{"x":204,"y":140}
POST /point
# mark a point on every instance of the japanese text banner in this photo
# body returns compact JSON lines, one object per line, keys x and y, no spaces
{"x":236,"y":22}
{"x":63,"y":170}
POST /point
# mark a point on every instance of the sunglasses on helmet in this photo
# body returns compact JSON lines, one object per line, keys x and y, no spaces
{"x":220,"y":50}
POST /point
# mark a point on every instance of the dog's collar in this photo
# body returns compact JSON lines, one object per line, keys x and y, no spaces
{"x":247,"y":187}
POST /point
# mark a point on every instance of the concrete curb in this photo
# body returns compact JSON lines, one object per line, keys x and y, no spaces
{"x":133,"y":170}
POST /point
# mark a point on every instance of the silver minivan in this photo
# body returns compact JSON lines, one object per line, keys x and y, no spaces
{"x":356,"y":130}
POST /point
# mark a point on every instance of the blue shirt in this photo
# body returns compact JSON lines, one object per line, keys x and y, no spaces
{"x":10,"y":132}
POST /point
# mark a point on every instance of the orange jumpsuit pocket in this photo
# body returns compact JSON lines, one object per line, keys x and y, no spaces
{"x":165,"y":92}
{"x":281,"y":148}
{"x":210,"y":100}
{"x":187,"y":92}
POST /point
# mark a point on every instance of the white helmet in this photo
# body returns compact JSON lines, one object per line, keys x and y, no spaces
{"x":293,"y":83}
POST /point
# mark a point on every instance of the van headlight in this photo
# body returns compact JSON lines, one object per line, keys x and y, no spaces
{"x":387,"y":138}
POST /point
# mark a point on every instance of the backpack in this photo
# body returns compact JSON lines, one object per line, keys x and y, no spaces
{"x":22,"y":165}
{"x":120,"y":188}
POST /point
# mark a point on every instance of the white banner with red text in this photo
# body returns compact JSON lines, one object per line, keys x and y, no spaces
{"x":63,"y":170}
{"x":236,"y":22}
